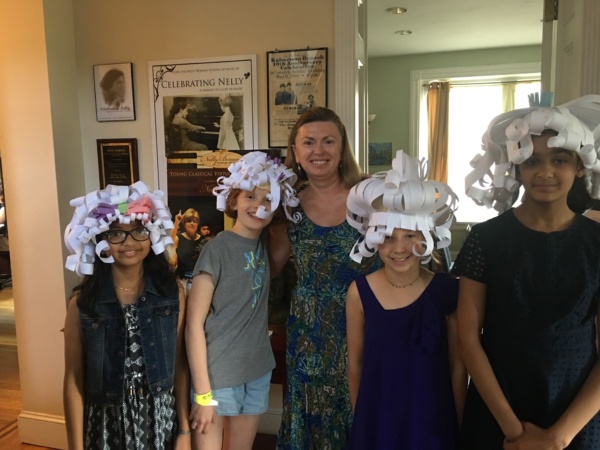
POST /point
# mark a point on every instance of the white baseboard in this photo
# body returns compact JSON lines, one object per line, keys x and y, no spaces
{"x":44,"y":430}
{"x":47,"y":430}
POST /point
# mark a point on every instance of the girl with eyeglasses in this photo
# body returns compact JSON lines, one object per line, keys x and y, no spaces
{"x":126,"y":378}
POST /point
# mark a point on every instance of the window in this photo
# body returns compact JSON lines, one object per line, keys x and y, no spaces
{"x":477,"y":95}
{"x":471,"y":108}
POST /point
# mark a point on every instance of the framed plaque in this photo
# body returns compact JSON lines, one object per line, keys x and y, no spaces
{"x":118,"y":162}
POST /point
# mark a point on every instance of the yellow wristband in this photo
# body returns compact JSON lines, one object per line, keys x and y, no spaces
{"x":205,"y":399}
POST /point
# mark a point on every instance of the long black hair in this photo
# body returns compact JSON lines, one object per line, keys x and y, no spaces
{"x":579,"y":199}
{"x":88,"y":291}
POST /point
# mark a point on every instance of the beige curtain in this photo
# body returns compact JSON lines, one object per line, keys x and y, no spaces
{"x":508,"y":96}
{"x":437,"y":116}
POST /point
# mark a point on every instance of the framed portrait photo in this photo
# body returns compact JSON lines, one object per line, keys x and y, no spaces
{"x":113,"y":86}
{"x":297,"y":81}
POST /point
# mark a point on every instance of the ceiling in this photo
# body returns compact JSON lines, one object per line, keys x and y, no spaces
{"x":450,"y":25}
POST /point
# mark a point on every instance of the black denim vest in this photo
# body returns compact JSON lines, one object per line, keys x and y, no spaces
{"x":104,"y":342}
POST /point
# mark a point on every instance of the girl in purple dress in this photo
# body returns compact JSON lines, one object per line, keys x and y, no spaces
{"x":407,"y":382}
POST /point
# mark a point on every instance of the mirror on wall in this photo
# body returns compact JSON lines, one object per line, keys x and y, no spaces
{"x":413,"y":35}
{"x":5,"y":277}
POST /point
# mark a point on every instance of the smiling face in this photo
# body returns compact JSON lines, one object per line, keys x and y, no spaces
{"x":548,"y":175}
{"x":130,"y":252}
{"x":247,"y":203}
{"x":318,"y":149}
{"x":396,"y":251}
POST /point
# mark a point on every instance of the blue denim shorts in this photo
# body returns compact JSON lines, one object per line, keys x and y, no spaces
{"x":250,"y":398}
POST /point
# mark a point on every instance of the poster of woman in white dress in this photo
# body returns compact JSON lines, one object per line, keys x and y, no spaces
{"x":227,"y":136}
{"x":202,"y":105}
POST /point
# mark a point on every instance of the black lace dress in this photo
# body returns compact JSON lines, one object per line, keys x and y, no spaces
{"x":539,"y":330}
{"x":142,"y":421}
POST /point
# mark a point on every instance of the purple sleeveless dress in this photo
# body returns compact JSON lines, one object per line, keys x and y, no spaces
{"x":405,"y":398}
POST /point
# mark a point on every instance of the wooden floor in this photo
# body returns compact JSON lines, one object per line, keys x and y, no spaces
{"x":10,"y":389}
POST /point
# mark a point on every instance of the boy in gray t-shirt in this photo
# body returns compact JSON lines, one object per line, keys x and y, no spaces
{"x":227,"y":337}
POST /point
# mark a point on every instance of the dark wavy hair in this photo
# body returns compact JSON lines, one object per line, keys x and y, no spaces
{"x":88,"y":291}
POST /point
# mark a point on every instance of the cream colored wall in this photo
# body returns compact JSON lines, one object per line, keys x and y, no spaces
{"x":27,"y":144}
{"x":48,"y":133}
{"x":110,"y":31}
{"x":389,"y":85}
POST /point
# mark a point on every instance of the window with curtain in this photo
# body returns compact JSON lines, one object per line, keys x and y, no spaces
{"x":471,"y":108}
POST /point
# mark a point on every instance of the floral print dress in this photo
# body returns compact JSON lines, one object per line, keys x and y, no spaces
{"x":317,"y":413}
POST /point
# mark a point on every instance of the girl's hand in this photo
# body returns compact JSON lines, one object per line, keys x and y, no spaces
{"x":201,"y":418}
{"x":534,"y":438}
{"x":183,"y":442}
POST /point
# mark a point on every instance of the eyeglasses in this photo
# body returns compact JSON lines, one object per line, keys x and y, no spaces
{"x":119,"y":236}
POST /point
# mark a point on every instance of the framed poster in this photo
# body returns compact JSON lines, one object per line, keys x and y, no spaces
{"x":117,"y":162}
{"x":202,"y":105}
{"x":113,"y":85}
{"x":297,"y":81}
{"x":191,"y":178}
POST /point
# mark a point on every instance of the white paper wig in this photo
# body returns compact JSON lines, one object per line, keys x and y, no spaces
{"x":97,"y":210}
{"x":257,"y":169}
{"x":507,"y":142}
{"x":401,"y":198}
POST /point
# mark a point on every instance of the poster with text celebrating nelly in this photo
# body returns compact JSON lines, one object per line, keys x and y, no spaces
{"x":202,"y":105}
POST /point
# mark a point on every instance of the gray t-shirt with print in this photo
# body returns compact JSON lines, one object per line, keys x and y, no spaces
{"x":236,"y":327}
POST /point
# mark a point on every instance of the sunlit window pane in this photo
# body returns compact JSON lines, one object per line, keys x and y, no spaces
{"x":471,"y":110}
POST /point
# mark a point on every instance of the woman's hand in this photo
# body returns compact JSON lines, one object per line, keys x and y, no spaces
{"x":534,"y":438}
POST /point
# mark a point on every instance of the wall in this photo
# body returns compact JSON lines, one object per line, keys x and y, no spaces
{"x":27,"y":141}
{"x":48,"y":133}
{"x":389,"y":85}
{"x":138,"y":31}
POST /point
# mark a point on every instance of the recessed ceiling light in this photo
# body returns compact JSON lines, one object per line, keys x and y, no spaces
{"x":402,"y":32}
{"x":396,"y":10}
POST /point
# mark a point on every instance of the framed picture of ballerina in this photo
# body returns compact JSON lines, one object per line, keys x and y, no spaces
{"x":113,"y":85}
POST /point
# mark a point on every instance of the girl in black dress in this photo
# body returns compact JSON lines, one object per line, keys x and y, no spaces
{"x":530,"y":286}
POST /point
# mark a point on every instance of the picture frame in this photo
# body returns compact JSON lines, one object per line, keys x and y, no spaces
{"x":114,"y":93}
{"x":297,"y":81}
{"x":192,"y":178}
{"x":380,"y":154}
{"x":117,"y":161}
{"x":201,"y":105}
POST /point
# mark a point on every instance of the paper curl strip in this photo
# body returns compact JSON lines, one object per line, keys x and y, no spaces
{"x":257,"y":169}
{"x":95,"y":212}
{"x":401,"y":198}
{"x":507,"y":142}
